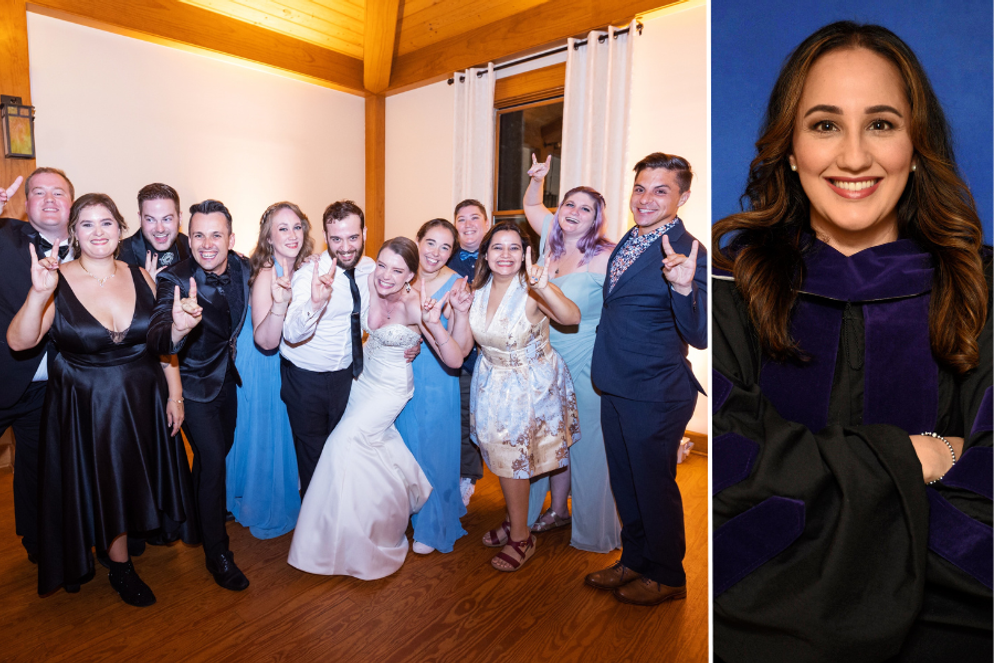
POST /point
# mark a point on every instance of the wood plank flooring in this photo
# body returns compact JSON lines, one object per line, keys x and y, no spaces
{"x":436,"y":608}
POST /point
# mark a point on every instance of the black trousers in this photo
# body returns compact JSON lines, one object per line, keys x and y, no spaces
{"x":210,"y":429}
{"x":25,"y":418}
{"x":315,"y":403}
{"x":471,"y":462}
{"x":641,"y":440}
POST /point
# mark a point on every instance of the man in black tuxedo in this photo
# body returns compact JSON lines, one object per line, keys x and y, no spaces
{"x":158,"y":243}
{"x":472,"y":224}
{"x":651,"y":313}
{"x":23,"y":375}
{"x":199,"y":311}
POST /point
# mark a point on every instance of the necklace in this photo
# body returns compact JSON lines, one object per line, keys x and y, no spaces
{"x":560,"y":262}
{"x":390,"y":309}
{"x":100,"y":282}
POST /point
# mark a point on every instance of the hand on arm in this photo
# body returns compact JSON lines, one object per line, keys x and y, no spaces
{"x":535,"y":209}
{"x":547,"y":296}
{"x":35,"y":317}
{"x":8,"y":193}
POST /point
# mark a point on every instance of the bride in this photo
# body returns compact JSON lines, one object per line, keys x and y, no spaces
{"x":353,"y":519}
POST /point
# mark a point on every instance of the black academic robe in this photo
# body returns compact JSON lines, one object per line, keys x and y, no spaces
{"x":828,"y":545}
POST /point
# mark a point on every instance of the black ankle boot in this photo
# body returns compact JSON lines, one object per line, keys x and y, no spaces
{"x":125,"y":580}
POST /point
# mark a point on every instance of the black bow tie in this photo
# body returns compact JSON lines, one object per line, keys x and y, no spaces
{"x":44,"y":246}
{"x":218,"y":280}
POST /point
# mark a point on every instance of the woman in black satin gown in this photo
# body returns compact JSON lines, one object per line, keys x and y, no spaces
{"x":109,"y":461}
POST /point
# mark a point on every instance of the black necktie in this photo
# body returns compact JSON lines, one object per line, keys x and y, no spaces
{"x":44,"y":246}
{"x":356,"y":326}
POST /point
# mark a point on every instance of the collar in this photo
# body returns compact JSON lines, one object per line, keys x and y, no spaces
{"x":889,"y":271}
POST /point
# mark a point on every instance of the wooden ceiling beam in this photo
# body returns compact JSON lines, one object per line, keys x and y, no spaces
{"x":550,"y":22}
{"x":378,"y":43}
{"x":174,"y":21}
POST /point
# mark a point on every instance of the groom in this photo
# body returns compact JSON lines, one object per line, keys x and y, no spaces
{"x":651,"y":313}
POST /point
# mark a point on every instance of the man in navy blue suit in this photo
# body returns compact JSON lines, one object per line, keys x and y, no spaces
{"x":655,"y":304}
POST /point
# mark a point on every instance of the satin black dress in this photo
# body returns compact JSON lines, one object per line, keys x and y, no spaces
{"x":108,"y":463}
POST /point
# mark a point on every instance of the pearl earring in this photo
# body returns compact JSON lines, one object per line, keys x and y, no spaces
{"x":914,"y":167}
{"x":793,"y":167}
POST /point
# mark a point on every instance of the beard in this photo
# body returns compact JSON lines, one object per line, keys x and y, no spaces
{"x":343,"y":264}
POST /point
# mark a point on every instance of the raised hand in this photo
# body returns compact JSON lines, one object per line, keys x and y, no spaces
{"x":461,"y":296}
{"x":152,"y":264}
{"x":321,"y":284}
{"x":431,"y":309}
{"x":282,"y":291}
{"x":44,"y":272}
{"x":8,"y":193}
{"x":679,"y":269}
{"x":538,"y":275}
{"x":538,"y":171}
{"x":186,"y":312}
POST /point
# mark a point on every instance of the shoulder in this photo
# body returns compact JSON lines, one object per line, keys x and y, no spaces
{"x":145,"y":275}
{"x":180,"y":272}
{"x":598,"y":264}
{"x":12,"y":228}
{"x":365,"y":266}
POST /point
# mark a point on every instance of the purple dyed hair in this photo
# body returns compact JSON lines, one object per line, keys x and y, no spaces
{"x":590,"y":244}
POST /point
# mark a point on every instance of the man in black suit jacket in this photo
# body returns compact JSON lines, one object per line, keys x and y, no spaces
{"x":158,"y":243}
{"x":199,"y":311}
{"x":23,"y":375}
{"x":651,"y":313}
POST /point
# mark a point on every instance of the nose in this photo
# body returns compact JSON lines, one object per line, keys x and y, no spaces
{"x":854,"y":155}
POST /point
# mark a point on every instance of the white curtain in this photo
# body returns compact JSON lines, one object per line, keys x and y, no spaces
{"x":473,"y":171}
{"x":595,"y":120}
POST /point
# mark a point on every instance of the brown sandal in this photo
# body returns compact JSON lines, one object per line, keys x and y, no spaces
{"x":523,"y":549}
{"x":543,"y":525}
{"x":496,"y":538}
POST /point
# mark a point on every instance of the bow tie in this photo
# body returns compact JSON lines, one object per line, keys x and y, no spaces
{"x":465,"y":255}
{"x":218,"y":280}
{"x":44,"y":246}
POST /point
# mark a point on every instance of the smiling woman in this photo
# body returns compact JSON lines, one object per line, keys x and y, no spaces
{"x":852,"y":384}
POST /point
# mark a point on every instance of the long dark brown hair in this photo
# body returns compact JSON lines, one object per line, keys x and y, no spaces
{"x":262,"y":254}
{"x":764,"y":245}
{"x":483,"y":272}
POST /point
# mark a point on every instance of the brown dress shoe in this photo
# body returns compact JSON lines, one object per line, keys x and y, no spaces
{"x":612,"y":577}
{"x":649,"y":592}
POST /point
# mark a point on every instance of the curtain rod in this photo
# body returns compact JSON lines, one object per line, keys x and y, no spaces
{"x":576,"y":44}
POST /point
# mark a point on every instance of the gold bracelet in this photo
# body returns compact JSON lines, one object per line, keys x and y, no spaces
{"x":178,"y":401}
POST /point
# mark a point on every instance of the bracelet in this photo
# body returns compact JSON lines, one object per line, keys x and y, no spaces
{"x":178,"y":401}
{"x":278,"y":315}
{"x":949,"y":446}
{"x":446,"y":341}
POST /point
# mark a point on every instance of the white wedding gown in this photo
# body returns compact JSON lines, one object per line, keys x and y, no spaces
{"x":353,"y":520}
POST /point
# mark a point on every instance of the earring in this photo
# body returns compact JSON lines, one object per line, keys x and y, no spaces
{"x":793,"y":166}
{"x":914,"y":167}
{"x":407,"y":286}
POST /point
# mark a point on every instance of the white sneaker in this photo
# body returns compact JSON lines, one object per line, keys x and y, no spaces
{"x":421,"y":548}
{"x":466,"y":488}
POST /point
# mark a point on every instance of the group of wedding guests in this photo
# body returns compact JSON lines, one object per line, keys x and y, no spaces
{"x":564,"y":364}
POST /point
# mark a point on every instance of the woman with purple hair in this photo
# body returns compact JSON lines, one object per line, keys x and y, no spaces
{"x":576,"y":253}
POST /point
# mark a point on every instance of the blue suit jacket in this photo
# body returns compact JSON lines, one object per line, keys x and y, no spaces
{"x":641,"y":347}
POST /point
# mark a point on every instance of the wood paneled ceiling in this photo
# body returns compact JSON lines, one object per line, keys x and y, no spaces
{"x":361,"y":46}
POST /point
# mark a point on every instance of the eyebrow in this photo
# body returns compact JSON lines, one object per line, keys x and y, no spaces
{"x":825,"y":108}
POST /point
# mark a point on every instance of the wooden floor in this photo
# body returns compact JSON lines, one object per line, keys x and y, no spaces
{"x":437,"y":608}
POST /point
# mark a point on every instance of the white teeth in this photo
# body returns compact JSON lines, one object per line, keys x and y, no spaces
{"x":854,"y":186}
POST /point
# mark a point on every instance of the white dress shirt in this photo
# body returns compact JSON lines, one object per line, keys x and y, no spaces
{"x":321,"y":341}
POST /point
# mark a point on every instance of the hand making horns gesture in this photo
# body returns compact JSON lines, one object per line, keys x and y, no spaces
{"x":538,"y":275}
{"x":7,"y":194}
{"x":321,"y":284}
{"x":461,"y":295}
{"x":186,"y":311}
{"x":281,"y":287}
{"x":538,"y":171}
{"x":431,"y":309}
{"x":678,"y":268}
{"x":44,"y":272}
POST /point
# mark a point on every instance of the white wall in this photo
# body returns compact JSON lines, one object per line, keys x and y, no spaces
{"x":419,"y":158}
{"x":117,"y":113}
{"x":670,"y":114}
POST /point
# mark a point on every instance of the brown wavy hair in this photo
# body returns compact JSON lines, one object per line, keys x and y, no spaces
{"x":764,"y":245}
{"x":93,"y":200}
{"x":262,"y":254}
{"x":483,"y":272}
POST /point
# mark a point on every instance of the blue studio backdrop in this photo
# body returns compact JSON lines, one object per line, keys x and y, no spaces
{"x":751,"y":40}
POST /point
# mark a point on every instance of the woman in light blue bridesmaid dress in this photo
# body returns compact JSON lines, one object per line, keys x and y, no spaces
{"x":576,"y":252}
{"x":430,"y":423}
{"x":262,"y":483}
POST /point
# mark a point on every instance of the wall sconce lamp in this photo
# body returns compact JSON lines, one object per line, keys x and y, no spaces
{"x":18,"y":128}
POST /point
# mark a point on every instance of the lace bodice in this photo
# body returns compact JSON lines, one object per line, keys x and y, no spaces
{"x":392,"y":335}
